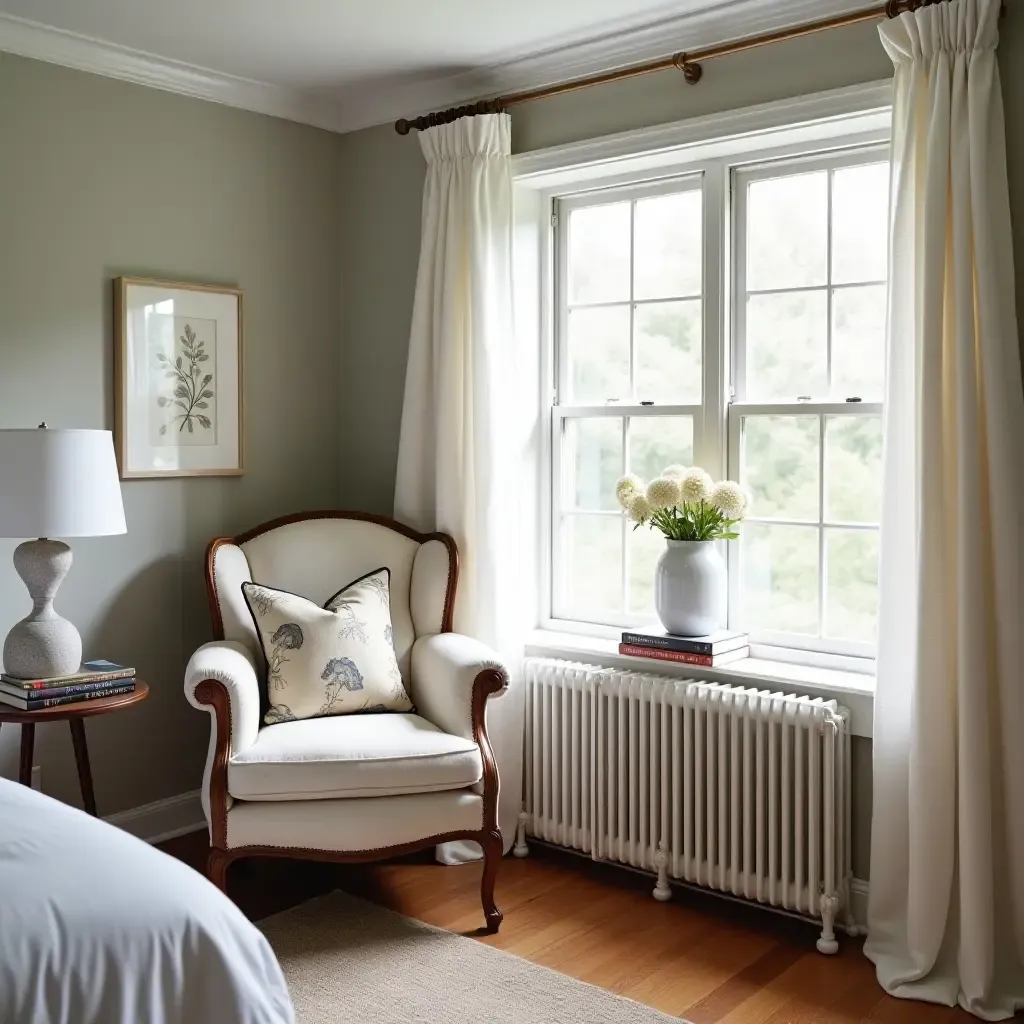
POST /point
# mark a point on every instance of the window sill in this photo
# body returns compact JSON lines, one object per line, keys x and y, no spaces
{"x":853,"y":690}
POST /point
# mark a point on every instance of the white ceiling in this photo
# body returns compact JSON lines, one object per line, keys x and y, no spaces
{"x":345,"y":64}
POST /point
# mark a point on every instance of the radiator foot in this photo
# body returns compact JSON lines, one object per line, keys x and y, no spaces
{"x":827,"y":943}
{"x":521,"y":849}
{"x":662,"y":891}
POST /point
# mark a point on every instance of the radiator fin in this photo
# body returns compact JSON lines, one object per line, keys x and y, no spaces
{"x":745,"y":791}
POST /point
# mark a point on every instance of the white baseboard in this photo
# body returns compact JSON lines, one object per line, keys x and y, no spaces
{"x":162,"y":819}
{"x":181,"y":814}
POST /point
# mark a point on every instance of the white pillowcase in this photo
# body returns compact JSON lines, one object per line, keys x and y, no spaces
{"x":334,"y":660}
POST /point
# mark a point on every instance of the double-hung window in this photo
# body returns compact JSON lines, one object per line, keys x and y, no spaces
{"x":730,"y":317}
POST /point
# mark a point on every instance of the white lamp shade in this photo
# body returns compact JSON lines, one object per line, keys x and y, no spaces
{"x":59,"y":483}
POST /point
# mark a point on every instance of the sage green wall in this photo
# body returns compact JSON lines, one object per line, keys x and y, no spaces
{"x":101,"y":178}
{"x":383,"y":176}
{"x":382,"y":187}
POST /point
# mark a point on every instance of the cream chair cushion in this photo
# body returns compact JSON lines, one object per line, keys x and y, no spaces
{"x":353,"y":756}
{"x":334,"y":660}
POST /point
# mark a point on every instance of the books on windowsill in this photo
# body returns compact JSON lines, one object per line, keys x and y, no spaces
{"x":719,"y":648}
{"x":94,"y":680}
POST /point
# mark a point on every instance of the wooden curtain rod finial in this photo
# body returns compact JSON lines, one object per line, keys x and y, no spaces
{"x":495,"y":106}
{"x":691,"y":70}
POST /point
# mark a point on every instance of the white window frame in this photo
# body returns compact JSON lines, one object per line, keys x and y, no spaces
{"x":849,"y":117}
{"x":707,"y":417}
{"x":821,"y":407}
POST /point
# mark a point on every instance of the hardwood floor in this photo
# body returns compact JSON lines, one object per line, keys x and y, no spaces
{"x":698,"y":957}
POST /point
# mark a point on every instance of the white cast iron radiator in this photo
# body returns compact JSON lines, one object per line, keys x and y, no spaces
{"x":735,"y":789}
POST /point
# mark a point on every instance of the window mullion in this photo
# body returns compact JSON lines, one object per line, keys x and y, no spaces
{"x":557,"y":500}
{"x":735,"y":550}
{"x":623,"y":524}
{"x":633,"y":397}
{"x":821,"y":526}
{"x":710,"y":442}
{"x":830,"y":178}
{"x":632,"y":307}
{"x":561,"y":221}
{"x":738,"y":299}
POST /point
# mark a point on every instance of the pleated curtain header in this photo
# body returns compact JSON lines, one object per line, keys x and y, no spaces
{"x":483,"y":135}
{"x":950,"y":28}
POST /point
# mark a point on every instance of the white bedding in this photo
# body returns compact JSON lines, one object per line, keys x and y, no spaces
{"x":97,"y":927}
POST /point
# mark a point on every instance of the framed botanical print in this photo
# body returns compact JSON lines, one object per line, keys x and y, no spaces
{"x":178,"y":370}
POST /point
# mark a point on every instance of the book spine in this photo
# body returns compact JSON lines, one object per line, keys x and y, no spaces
{"x":667,"y":643}
{"x":62,"y":691}
{"x":76,"y":698}
{"x":51,"y":684}
{"x":659,"y":654}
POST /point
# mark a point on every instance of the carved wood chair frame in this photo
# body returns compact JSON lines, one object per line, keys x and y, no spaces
{"x":214,"y":693}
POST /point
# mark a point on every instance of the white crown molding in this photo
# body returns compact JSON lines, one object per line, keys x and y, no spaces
{"x":55,"y":46}
{"x":356,"y":108}
{"x":731,"y":20}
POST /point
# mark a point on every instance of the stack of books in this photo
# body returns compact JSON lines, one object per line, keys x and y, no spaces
{"x":715,"y":649}
{"x":93,"y":680}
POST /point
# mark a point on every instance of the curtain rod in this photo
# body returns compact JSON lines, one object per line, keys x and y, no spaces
{"x":688,"y":63}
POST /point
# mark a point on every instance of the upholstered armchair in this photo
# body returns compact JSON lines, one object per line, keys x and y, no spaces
{"x":347,"y":787}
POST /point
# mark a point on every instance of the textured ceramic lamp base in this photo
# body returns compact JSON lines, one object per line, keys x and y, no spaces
{"x":42,"y":645}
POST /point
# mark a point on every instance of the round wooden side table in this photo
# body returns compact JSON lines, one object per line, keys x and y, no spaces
{"x":74,"y":715}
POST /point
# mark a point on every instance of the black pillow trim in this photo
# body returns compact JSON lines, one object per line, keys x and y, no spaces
{"x":366,"y":576}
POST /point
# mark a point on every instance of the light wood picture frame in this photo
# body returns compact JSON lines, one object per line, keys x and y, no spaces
{"x":178,"y":379}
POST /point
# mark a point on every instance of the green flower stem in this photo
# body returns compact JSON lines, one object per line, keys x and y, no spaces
{"x":693,"y":521}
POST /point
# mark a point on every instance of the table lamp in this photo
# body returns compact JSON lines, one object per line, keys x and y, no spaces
{"x":53,"y":483}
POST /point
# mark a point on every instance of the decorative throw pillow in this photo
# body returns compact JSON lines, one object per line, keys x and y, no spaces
{"x":334,"y":660}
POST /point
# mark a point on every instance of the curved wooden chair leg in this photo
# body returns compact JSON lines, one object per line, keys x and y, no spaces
{"x":217,"y":868}
{"x":493,"y":847}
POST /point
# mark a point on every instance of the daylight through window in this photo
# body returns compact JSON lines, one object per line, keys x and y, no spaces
{"x":732,"y":317}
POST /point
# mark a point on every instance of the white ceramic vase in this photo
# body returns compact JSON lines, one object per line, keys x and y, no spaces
{"x":690,"y":587}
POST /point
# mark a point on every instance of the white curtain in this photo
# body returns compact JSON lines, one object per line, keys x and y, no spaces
{"x":946,"y":907}
{"x":455,"y":465}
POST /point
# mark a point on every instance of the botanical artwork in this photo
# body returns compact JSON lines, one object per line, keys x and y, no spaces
{"x":178,"y":408}
{"x":185,"y":403}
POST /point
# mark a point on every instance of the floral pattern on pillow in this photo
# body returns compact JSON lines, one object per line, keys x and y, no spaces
{"x":337,"y":659}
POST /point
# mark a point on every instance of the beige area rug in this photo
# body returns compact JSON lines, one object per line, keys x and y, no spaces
{"x":351,"y":961}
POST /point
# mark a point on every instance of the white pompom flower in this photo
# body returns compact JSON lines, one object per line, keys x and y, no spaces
{"x":639,"y":509}
{"x":696,"y":485}
{"x":676,"y":471}
{"x":728,"y":498}
{"x":663,"y":492}
{"x":627,"y":488}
